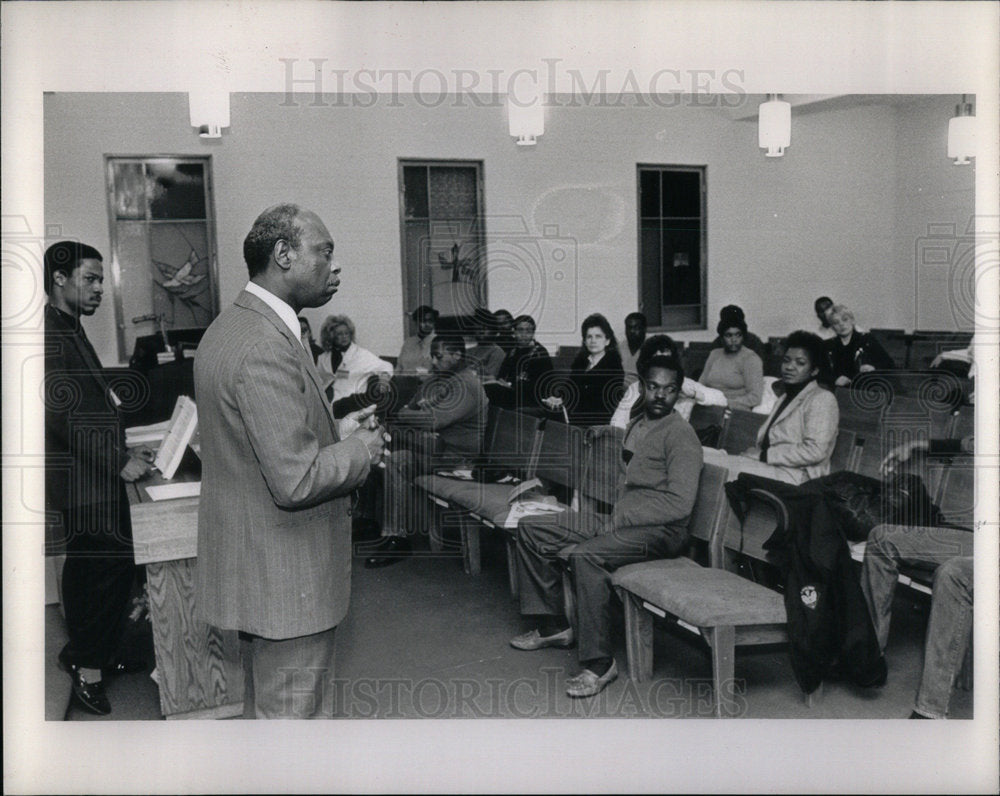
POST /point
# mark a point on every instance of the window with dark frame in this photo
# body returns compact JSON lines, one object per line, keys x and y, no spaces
{"x":672,"y":255}
{"x":443,"y":253}
{"x":163,"y":247}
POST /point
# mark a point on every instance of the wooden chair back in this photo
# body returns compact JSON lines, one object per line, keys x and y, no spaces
{"x":695,"y":356}
{"x":709,"y":504}
{"x":559,"y":456}
{"x":956,"y":489}
{"x":843,"y":451}
{"x":514,"y":441}
{"x":737,"y":540}
{"x":604,"y":468}
{"x":705,"y":416}
{"x":740,"y":430}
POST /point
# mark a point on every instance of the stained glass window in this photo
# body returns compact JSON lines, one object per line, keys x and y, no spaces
{"x":444,"y":264}
{"x":163,"y":246}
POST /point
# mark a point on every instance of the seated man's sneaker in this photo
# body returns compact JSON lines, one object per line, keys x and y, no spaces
{"x":587,"y":684}
{"x":534,"y":640}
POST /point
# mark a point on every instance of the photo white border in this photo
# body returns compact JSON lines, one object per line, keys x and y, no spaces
{"x":804,"y":47}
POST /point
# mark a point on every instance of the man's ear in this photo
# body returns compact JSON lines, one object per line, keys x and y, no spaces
{"x":56,"y":280}
{"x":282,"y":253}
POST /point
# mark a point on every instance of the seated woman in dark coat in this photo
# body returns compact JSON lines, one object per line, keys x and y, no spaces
{"x":852,"y":352}
{"x":596,"y":378}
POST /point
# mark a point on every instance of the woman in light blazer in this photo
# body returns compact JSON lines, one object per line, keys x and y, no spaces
{"x":797,"y":439}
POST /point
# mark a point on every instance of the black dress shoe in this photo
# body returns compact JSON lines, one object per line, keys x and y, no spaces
{"x":389,"y":551}
{"x":89,"y":696}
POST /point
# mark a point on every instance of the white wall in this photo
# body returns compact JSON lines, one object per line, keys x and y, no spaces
{"x":934,"y":219}
{"x":836,"y":215}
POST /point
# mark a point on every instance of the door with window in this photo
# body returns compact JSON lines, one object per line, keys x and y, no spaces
{"x":163,"y":268}
{"x":443,"y":256}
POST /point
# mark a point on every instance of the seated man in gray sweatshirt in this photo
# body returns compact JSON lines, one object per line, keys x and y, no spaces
{"x":452,"y":404}
{"x":663,"y":460}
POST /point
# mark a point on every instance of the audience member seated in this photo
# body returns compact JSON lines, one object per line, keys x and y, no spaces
{"x":663,"y":461}
{"x":734,"y":369}
{"x":306,"y":336}
{"x":486,"y":356}
{"x":822,"y":307}
{"x":947,"y":552}
{"x":415,"y":355}
{"x":596,"y":377}
{"x":851,"y":351}
{"x":450,"y":403}
{"x":328,"y":361}
{"x":961,"y":362}
{"x":628,"y":349}
{"x":357,"y":364}
{"x":796,"y":441}
{"x":692,"y":393}
{"x":731,"y":315}
{"x":527,"y":363}
{"x":503,"y":334}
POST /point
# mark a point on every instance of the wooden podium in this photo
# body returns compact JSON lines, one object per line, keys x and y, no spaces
{"x":199,"y":668}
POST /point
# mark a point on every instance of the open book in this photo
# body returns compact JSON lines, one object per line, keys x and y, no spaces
{"x":529,"y":498}
{"x":183,"y":424}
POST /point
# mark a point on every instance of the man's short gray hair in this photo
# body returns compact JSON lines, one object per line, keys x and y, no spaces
{"x":276,"y":223}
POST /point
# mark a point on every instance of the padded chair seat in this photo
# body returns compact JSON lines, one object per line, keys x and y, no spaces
{"x":703,"y":596}
{"x":489,"y":501}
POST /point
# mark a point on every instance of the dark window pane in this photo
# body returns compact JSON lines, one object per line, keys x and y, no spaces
{"x":130,"y":191}
{"x":650,"y":253}
{"x":415,"y":191}
{"x":418,"y":275}
{"x":681,"y":262}
{"x":678,"y":317}
{"x":649,"y":193}
{"x":681,"y":193}
{"x":178,"y":190}
{"x":453,"y":192}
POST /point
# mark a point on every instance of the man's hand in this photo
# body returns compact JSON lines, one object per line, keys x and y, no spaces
{"x":363,"y":417}
{"x":553,"y":403}
{"x":901,"y":453}
{"x":374,"y":438}
{"x":139,"y":464}
{"x":842,"y":381}
{"x":866,"y":368}
{"x":936,"y":361}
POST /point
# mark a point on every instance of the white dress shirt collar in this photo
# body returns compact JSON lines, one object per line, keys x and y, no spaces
{"x":283,"y":311}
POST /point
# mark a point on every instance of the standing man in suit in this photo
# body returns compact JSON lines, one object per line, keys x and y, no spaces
{"x":274,"y":529}
{"x":86,"y":467}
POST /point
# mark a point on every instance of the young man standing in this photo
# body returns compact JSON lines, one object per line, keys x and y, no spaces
{"x":86,"y":467}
